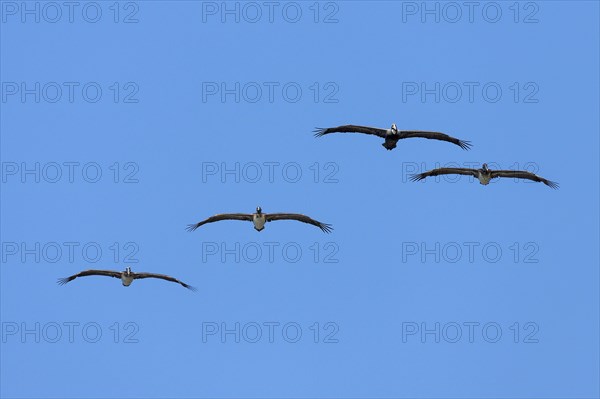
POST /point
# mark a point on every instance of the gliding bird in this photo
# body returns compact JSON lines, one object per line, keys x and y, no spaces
{"x":259,"y":219}
{"x":485,"y":175}
{"x":392,"y":135}
{"x":126,"y":276}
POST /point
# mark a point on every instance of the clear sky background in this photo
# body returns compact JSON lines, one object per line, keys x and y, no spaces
{"x":443,"y":288}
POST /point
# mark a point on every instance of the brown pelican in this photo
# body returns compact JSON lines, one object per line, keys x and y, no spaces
{"x":485,"y":175}
{"x":126,"y":276}
{"x":392,"y":135}
{"x":259,"y":219}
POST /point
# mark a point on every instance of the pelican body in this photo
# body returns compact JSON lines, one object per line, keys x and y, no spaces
{"x":259,"y":219}
{"x":127,"y":277}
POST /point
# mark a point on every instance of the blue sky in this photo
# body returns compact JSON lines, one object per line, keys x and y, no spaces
{"x":121,"y":124}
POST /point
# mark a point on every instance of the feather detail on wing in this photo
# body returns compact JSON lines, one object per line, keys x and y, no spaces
{"x":109,"y":273}
{"x":219,"y":217}
{"x":465,"y":145}
{"x":327,"y":228}
{"x":444,"y":171}
{"x":351,"y":129}
{"x":163,"y":277}
{"x":520,"y":174}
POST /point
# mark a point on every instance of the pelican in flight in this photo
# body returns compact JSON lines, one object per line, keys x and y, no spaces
{"x":126,"y":276}
{"x":259,"y":219}
{"x":485,"y":175}
{"x":392,"y":135}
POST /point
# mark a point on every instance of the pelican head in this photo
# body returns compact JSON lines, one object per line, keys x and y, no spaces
{"x":258,"y":210}
{"x":394,"y":129}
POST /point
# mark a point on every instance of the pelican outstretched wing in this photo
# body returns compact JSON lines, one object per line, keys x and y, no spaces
{"x":521,"y":174}
{"x":163,"y":277}
{"x":350,"y":129}
{"x":327,"y":228}
{"x":444,"y":171}
{"x":405,"y":134}
{"x":108,"y":273}
{"x":222,"y":216}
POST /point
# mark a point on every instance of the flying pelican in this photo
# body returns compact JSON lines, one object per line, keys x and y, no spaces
{"x":126,"y":276}
{"x":485,"y":175}
{"x":392,"y":135}
{"x":259,"y":219}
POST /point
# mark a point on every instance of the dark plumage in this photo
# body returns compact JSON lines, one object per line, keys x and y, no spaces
{"x":219,"y":217}
{"x":259,"y":219}
{"x":485,"y":175}
{"x":126,"y":276}
{"x":392,"y":135}
{"x":327,"y":228}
